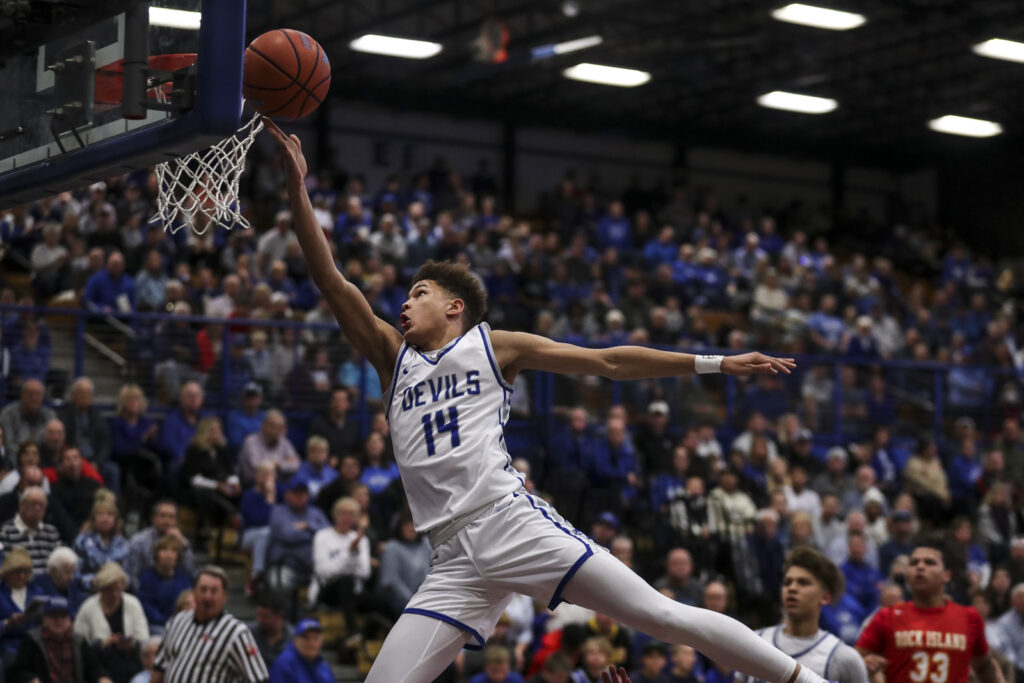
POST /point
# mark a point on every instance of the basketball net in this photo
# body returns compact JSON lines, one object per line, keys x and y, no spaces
{"x":205,"y":182}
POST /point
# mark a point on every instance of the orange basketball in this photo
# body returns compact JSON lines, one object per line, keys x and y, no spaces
{"x":286,"y":74}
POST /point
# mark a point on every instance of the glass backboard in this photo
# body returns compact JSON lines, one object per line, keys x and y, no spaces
{"x":65,"y":123}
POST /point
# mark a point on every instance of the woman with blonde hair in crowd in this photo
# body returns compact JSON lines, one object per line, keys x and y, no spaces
{"x":114,"y":623}
{"x":207,"y":475}
{"x":133,"y":447}
{"x":101,"y":540}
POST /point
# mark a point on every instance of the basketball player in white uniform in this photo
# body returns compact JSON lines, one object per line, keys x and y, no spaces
{"x":810,"y":581}
{"x":449,"y":378}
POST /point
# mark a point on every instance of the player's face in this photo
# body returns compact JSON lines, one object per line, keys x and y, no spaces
{"x":928,"y":573}
{"x":423,"y":314}
{"x":802,"y":594}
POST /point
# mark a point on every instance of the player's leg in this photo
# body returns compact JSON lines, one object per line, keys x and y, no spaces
{"x":416,"y":650}
{"x":604,"y":584}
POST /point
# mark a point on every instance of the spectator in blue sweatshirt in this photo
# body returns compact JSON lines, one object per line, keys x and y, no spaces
{"x":248,"y":419}
{"x":161,"y":584}
{"x":315,"y":471}
{"x":30,"y":359}
{"x":614,"y":229}
{"x":614,"y":465}
{"x":60,"y":581}
{"x":964,"y":473}
{"x":257,"y":504}
{"x":110,"y":290}
{"x":292,"y":527}
{"x":178,"y":429}
{"x":863,"y":581}
{"x":661,"y":249}
{"x":301,"y":661}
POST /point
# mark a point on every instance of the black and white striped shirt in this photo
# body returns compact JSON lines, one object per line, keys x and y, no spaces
{"x":39,"y":542}
{"x":221,"y":650}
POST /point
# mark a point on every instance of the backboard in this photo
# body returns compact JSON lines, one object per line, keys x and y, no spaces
{"x":80,"y":96}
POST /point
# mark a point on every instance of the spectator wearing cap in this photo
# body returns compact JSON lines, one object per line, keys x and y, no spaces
{"x":604,"y":529}
{"x":901,"y":540}
{"x":16,"y":591}
{"x":301,"y":661}
{"x":654,"y":444}
{"x":653,"y":659}
{"x":273,"y":244}
{"x":110,"y":290}
{"x":60,"y":580}
{"x":834,"y":480}
{"x":293,"y":526}
{"x":207,"y":475}
{"x":53,"y":652}
{"x":270,"y":444}
{"x":246,"y":419}
{"x":336,"y":425}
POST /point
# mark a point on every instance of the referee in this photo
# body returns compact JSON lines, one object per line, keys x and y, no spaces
{"x":205,"y":645}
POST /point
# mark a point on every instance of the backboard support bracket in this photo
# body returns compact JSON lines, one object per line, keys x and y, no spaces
{"x":73,"y":92}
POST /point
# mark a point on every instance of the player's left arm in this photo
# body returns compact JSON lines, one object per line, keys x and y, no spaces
{"x":519,"y":351}
{"x":987,"y":669}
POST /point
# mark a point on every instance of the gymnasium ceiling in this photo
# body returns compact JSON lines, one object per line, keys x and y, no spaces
{"x":709,"y":60}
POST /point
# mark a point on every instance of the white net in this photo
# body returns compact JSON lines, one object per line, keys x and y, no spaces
{"x":200,"y":190}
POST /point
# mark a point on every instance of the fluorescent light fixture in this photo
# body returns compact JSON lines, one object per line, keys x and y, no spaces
{"x":395,"y":47}
{"x":997,"y":48}
{"x":962,"y":125}
{"x":791,"y":101}
{"x":552,"y":49}
{"x":818,"y":17}
{"x":174,"y":18}
{"x":607,"y":75}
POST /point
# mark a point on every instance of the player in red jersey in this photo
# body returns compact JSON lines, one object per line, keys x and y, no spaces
{"x":930,"y":639}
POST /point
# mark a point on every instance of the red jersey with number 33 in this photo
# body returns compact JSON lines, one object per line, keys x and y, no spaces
{"x":926,"y":645}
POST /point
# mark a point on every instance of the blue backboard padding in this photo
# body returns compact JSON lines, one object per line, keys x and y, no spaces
{"x":215,"y":116}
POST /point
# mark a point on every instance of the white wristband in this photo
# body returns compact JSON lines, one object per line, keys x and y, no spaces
{"x":707,"y":365}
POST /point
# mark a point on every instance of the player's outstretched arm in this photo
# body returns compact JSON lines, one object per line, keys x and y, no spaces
{"x":376,"y":340}
{"x":518,"y":351}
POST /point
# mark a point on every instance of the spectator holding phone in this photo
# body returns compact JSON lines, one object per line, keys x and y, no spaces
{"x":114,"y":622}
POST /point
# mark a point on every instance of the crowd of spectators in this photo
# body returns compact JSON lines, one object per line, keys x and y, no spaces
{"x":257,"y":425}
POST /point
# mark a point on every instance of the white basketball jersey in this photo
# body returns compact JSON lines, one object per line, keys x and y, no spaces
{"x":446,"y":409}
{"x":814,"y":653}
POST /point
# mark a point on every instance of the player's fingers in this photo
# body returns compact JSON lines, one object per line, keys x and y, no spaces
{"x":298,"y":142}
{"x":271,"y":126}
{"x":606,"y":677}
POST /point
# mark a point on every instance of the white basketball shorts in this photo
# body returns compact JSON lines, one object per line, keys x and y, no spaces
{"x":520,"y":545}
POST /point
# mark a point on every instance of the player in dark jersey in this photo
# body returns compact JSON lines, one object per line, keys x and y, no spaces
{"x":929,"y":639}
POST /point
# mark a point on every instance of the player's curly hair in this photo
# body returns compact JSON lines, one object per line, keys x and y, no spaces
{"x":456,"y":279}
{"x":819,"y":566}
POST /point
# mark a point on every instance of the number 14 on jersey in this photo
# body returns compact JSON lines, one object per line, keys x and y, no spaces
{"x":444,"y":425}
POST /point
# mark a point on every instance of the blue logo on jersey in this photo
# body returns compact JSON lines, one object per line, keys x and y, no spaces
{"x":436,"y":389}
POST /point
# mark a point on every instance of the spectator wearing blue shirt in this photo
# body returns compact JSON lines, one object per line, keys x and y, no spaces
{"x":826,"y":327}
{"x":60,"y":579}
{"x":963,"y":474}
{"x":844,"y":618}
{"x":614,"y":229}
{"x":248,"y":419}
{"x":497,"y":667}
{"x":151,"y":284}
{"x":883,"y":461}
{"x":863,"y":581}
{"x":161,"y":584}
{"x":359,"y":376}
{"x":661,"y":249}
{"x":748,"y":258}
{"x":179,"y":428}
{"x":881,"y":409}
{"x":133,"y":444}
{"x":292,"y":527}
{"x":111,"y":290}
{"x":314,"y":470}
{"x":30,"y":359}
{"x":256,"y":506}
{"x":861,"y":344}
{"x":354,"y":217}
{"x":301,"y":661}
{"x":613,"y":469}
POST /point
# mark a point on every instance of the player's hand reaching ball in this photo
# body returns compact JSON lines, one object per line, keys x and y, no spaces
{"x":291,"y":147}
{"x":755,"y":363}
{"x":613,"y":676}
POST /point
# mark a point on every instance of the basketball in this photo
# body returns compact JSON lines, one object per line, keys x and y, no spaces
{"x":286,"y":74}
